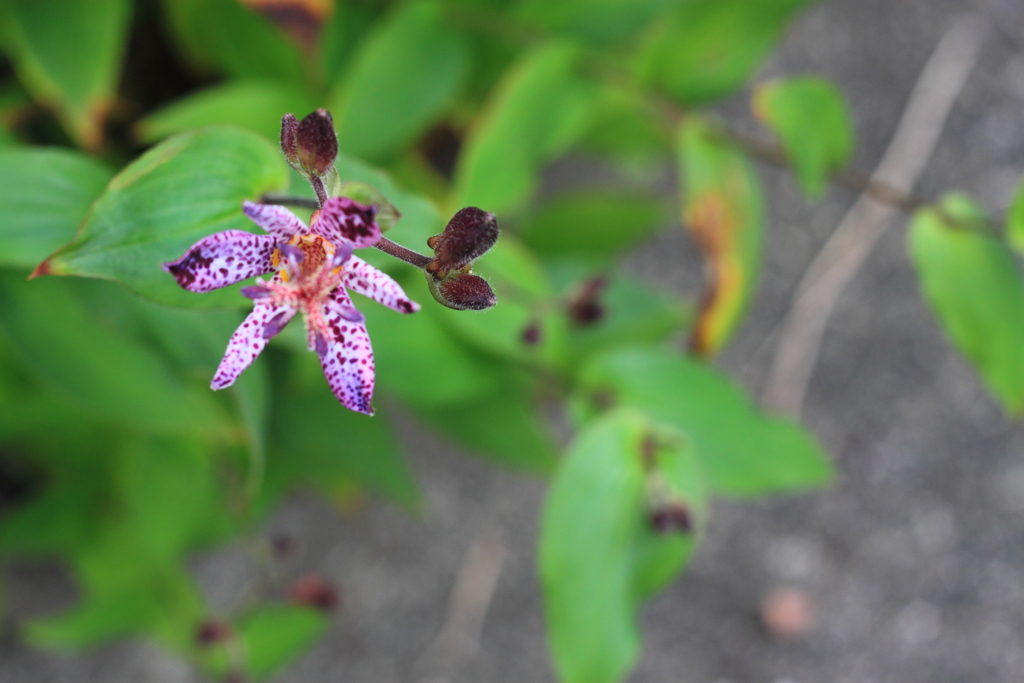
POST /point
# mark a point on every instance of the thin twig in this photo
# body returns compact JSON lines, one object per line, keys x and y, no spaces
{"x":879,"y":190}
{"x":846,"y":250}
{"x":289,"y":200}
{"x":459,"y":638}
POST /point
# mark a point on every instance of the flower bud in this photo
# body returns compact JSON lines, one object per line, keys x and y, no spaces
{"x":367,"y":195}
{"x":585,"y":307}
{"x":467,"y":237}
{"x":671,"y":517}
{"x":312,"y":590}
{"x":310,"y":145}
{"x":290,"y":139}
{"x":462,"y":291}
{"x":212,"y":632}
{"x":282,"y":546}
{"x":531,"y":335}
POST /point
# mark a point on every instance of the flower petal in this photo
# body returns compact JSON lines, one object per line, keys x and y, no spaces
{"x":223,"y":259}
{"x":277,"y":220}
{"x":348,"y":362}
{"x":343,"y":220}
{"x":246,"y":343}
{"x":363,"y":278}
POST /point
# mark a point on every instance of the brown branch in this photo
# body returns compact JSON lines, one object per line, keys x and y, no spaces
{"x":459,"y":638}
{"x":878,"y":190}
{"x":849,"y":246}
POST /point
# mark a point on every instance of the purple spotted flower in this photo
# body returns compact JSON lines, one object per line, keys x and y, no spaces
{"x":312,"y":268}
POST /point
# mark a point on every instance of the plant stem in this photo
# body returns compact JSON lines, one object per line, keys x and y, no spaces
{"x":321,"y":191}
{"x":402,"y":253}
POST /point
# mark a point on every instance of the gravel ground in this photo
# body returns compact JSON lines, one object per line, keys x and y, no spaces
{"x":913,"y":562}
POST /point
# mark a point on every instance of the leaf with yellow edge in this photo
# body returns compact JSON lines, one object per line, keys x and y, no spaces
{"x":723,"y":209}
{"x":68,"y":55}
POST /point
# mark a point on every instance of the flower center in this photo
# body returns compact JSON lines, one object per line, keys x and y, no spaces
{"x":310,"y":268}
{"x":305,"y":260}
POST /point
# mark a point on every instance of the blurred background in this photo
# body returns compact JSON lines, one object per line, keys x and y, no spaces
{"x":910,"y":568}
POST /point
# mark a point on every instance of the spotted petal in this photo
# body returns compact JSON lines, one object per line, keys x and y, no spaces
{"x":364,"y":279}
{"x":223,"y":259}
{"x":277,"y":220}
{"x":249,"y":340}
{"x":345,"y":221}
{"x":348,"y":361}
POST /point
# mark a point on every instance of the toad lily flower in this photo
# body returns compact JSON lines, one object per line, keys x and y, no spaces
{"x":312,"y":268}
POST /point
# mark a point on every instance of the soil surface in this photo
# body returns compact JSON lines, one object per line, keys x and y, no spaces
{"x":910,"y":569}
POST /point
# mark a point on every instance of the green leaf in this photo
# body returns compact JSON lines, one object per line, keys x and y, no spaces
{"x":169,"y":490}
{"x":523,"y":293}
{"x":122,"y":594}
{"x":723,"y":209}
{"x":512,"y":263}
{"x":706,"y":49}
{"x":601,"y":22}
{"x":58,"y":521}
{"x":499,"y":330}
{"x":625,"y":129}
{"x":340,"y":36}
{"x":320,"y":444}
{"x":594,"y":225}
{"x":974,"y":288}
{"x":276,"y":634}
{"x":1015,"y":221}
{"x":224,"y":36}
{"x":103,"y":371}
{"x":744,"y":452}
{"x":196,"y":340}
{"x":422,"y":362}
{"x":634,"y":314}
{"x":182,"y":190}
{"x":68,"y":55}
{"x":813,"y":123}
{"x":253,"y":105}
{"x":598,"y":555}
{"x":538,"y":109}
{"x":506,"y":427}
{"x":406,"y":73}
{"x":95,"y":619}
{"x":46,"y":194}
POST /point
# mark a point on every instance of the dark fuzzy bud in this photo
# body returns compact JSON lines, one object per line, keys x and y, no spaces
{"x":585,"y":307}
{"x":671,"y":517}
{"x":312,"y":590}
{"x":310,"y":145}
{"x":463,"y":292}
{"x":290,"y":139}
{"x":467,"y":237}
{"x":213,"y":632}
